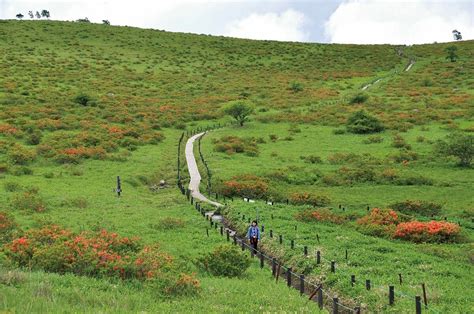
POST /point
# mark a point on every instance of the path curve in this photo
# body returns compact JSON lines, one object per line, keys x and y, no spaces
{"x":195,"y":176}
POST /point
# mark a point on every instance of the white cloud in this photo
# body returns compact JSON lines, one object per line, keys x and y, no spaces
{"x":399,"y":22}
{"x":287,"y":26}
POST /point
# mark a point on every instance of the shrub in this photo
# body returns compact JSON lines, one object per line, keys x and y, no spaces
{"x":8,"y":227}
{"x":378,"y":222}
{"x":414,"y":180}
{"x":20,"y":155}
{"x":235,"y":144}
{"x":399,"y":142}
{"x":433,"y":231}
{"x":225,"y":260}
{"x":359,"y":98}
{"x":338,"y":131}
{"x":169,"y":223}
{"x":34,"y":138}
{"x":29,"y":200}
{"x":83,"y":99}
{"x":20,"y":171}
{"x":416,"y":207}
{"x":245,"y":186}
{"x":12,"y":186}
{"x":373,"y":139}
{"x":305,"y":198}
{"x":312,"y":159}
{"x":457,"y":145}
{"x":295,"y":86}
{"x":101,"y":254}
{"x":320,"y":215}
{"x":361,"y":122}
{"x":403,"y":156}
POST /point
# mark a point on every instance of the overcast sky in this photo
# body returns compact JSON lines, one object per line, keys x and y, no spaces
{"x":335,"y":21}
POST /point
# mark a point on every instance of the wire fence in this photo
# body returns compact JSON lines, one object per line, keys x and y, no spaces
{"x":315,"y":290}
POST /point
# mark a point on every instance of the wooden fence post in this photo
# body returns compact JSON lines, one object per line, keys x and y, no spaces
{"x":391,"y":295}
{"x":353,"y":280}
{"x":305,"y":250}
{"x":367,"y":284}
{"x":261,"y":260}
{"x":418,"y":304}
{"x":333,"y":266}
{"x":288,"y":277}
{"x":320,"y":297}
{"x":271,"y":233}
{"x":425,"y":300}
{"x":292,"y":244}
{"x":281,"y":239}
{"x":273,"y":266}
{"x":335,"y":305}
{"x":318,"y":257}
{"x":301,"y":284}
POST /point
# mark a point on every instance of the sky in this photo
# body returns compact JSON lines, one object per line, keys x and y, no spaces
{"x":330,"y":21}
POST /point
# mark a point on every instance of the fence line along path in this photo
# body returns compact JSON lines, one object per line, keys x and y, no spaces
{"x":195,"y":176}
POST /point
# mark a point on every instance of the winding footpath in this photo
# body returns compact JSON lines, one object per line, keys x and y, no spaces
{"x":195,"y":176}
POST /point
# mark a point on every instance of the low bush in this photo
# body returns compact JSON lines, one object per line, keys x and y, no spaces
{"x":169,"y":223}
{"x":320,"y":215}
{"x":311,"y":159}
{"x":12,"y":186}
{"x":416,"y":207}
{"x":373,"y":139}
{"x":8,"y":227}
{"x":361,"y":122}
{"x":379,"y":222}
{"x":359,"y":98}
{"x":399,"y":142}
{"x":433,"y":231}
{"x":225,"y":260}
{"x":414,"y":180}
{"x":20,"y":155}
{"x":29,"y":200}
{"x":101,"y":254}
{"x":305,"y":198}
{"x":246,"y":186}
{"x":235,"y":144}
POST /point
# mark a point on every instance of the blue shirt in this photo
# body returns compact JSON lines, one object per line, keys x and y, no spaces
{"x":253,"y":232}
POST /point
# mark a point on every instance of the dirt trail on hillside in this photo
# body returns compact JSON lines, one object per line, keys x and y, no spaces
{"x":194,"y":172}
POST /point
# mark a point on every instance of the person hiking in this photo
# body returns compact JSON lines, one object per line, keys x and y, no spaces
{"x":253,"y":234}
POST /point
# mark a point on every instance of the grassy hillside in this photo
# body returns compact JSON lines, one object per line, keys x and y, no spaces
{"x":82,"y":103}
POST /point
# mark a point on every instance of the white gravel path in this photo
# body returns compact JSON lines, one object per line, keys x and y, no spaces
{"x":194,"y":172}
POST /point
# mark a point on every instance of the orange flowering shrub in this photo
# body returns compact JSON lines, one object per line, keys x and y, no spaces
{"x":7,"y":129}
{"x":305,"y":198}
{"x":102,"y":254}
{"x":433,"y":231}
{"x":245,"y":186}
{"x":320,"y":215}
{"x":379,"y":222}
{"x":29,"y":200}
{"x":8,"y":227}
{"x":73,"y":155}
{"x":235,"y":144}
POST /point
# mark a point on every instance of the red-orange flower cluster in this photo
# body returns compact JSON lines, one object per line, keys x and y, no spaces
{"x":433,"y":231}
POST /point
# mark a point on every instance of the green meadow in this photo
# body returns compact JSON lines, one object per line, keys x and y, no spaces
{"x":83,"y":103}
